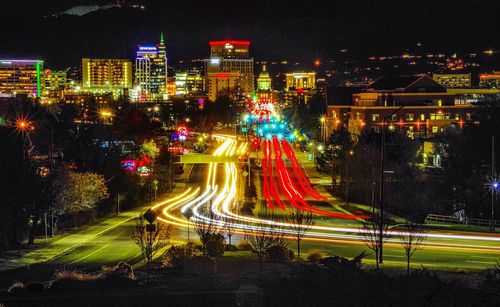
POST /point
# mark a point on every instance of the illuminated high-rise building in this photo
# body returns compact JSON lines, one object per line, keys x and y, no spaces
{"x":151,"y":71}
{"x":106,"y":75}
{"x":22,"y":77}
{"x":230,"y":66}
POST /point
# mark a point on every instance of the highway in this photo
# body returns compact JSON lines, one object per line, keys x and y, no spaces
{"x":213,"y":202}
{"x":208,"y":195}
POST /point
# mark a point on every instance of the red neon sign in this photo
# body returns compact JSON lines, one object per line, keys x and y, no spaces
{"x":232,"y":42}
{"x":182,"y":131}
{"x":222,"y":75}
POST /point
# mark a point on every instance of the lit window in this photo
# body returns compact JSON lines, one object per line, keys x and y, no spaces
{"x":422,"y":116}
{"x":434,"y":129}
{"x":375,"y":117}
{"x":409,"y":117}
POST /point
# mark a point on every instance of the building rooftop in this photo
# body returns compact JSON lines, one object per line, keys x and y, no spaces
{"x":417,"y":83}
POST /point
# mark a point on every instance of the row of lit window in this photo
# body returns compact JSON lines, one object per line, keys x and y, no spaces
{"x":411,"y":116}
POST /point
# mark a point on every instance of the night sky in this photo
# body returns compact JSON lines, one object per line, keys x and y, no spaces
{"x":293,"y":30}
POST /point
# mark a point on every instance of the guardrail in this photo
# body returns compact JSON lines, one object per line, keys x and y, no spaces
{"x":455,"y":220}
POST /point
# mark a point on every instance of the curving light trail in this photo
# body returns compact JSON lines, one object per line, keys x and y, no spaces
{"x":214,"y":204}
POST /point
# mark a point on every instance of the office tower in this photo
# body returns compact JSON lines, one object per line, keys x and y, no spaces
{"x":229,"y":67}
{"x":151,"y":72}
{"x":21,"y":77}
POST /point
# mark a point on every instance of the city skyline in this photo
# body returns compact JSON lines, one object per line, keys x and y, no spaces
{"x":249,"y":153}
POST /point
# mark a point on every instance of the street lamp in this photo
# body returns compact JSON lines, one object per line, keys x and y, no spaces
{"x":322,"y":120}
{"x":24,"y":126}
{"x":347,"y":179}
{"x":494,"y":187}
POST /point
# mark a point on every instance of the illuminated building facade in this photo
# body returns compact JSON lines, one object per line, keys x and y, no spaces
{"x":106,"y":76}
{"x":151,"y":71}
{"x":490,"y":80}
{"x":23,"y":77}
{"x":429,"y":108}
{"x":453,"y":80}
{"x":55,"y":82}
{"x":264,"y":88}
{"x":299,"y":86}
{"x":230,"y":66}
{"x":188,"y":82}
{"x":264,"y":80}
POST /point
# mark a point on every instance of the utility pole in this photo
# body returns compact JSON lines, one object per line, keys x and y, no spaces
{"x":347,"y":178}
{"x":118,"y":203}
{"x":51,"y":174}
{"x":333,"y":171}
{"x":373,"y":178}
{"x":493,"y":190}
{"x":248,"y":157}
{"x":46,"y":232}
{"x":381,"y":194}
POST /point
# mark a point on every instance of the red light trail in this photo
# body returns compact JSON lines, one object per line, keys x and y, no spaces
{"x":294,"y":194}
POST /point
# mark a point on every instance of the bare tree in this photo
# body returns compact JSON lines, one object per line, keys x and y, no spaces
{"x":264,"y":236}
{"x":150,"y":238}
{"x":371,"y":236}
{"x":209,"y":230}
{"x":301,"y":223}
{"x":258,"y":236}
{"x":411,"y":236}
{"x":229,"y":227}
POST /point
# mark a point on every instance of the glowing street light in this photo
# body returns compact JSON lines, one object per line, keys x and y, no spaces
{"x":105,"y":115}
{"x":23,"y":125}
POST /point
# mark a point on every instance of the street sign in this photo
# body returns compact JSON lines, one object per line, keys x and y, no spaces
{"x":150,"y":216}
